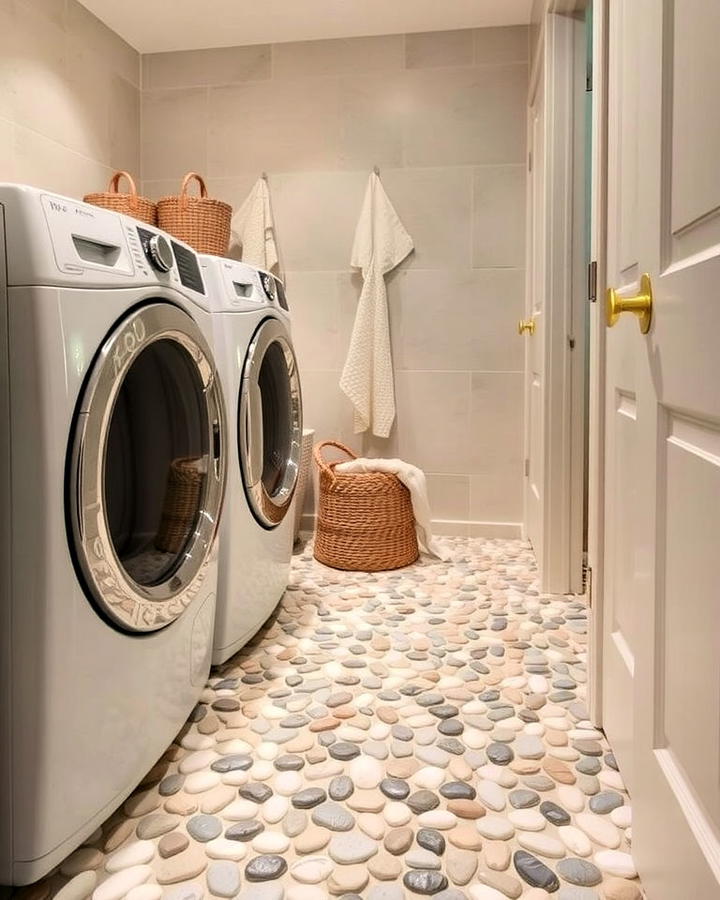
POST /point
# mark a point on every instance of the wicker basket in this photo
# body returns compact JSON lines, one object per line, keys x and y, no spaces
{"x":201,"y":222}
{"x":182,"y":502}
{"x":365,"y":521}
{"x":131,"y":204}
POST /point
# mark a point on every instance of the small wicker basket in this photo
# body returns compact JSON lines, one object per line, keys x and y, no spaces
{"x":201,"y":222}
{"x":130,"y":204}
{"x":182,"y":503}
{"x":365,"y":521}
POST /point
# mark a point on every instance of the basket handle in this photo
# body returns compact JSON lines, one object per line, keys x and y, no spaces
{"x":115,"y":183}
{"x":191,"y":176}
{"x":321,"y":462}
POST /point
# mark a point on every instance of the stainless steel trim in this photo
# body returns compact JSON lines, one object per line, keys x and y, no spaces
{"x":131,"y":605}
{"x":269,"y":509}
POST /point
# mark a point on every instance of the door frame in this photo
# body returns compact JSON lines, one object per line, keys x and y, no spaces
{"x":564,"y":414}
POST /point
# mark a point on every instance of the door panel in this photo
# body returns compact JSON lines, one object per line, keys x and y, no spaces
{"x":663,"y":461}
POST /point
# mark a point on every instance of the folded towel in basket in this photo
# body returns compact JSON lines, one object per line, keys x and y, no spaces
{"x":414,"y":480}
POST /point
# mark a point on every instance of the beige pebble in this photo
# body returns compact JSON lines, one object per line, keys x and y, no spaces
{"x":181,"y":867}
{"x":621,"y":889}
{"x":312,"y":839}
{"x":172,"y":843}
{"x":348,"y":879}
{"x":497,"y":855}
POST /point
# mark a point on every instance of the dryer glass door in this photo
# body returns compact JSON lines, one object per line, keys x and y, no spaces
{"x":147,"y":468}
{"x":270,"y":423}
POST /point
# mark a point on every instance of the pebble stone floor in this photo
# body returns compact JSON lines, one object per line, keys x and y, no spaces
{"x":386,"y":736}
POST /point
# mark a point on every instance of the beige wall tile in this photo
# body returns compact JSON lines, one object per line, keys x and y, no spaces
{"x":435,"y":207}
{"x":124,"y":126}
{"x":371,"y":121}
{"x":439,"y":48}
{"x":43,"y":163}
{"x":259,"y":126}
{"x":338,"y":57}
{"x":315,"y":217}
{"x":499,"y":216}
{"x":327,"y":409}
{"x":497,"y":496}
{"x":318,"y":333}
{"x":460,"y":319}
{"x":449,"y":496}
{"x":496,"y":417}
{"x":117,"y":54}
{"x":174,"y":126}
{"x":194,"y":68}
{"x":501,"y":45}
{"x":466,"y":116}
{"x":7,"y":151}
{"x":431,"y":428}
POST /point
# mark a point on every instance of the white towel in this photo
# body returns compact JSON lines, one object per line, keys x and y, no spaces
{"x":381,"y":243}
{"x":253,"y":230}
{"x":414,"y":480}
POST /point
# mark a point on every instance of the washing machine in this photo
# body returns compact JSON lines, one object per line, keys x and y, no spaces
{"x":113,"y":461}
{"x":257,"y":365}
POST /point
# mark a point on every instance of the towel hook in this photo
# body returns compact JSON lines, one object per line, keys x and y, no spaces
{"x":263,"y":175}
{"x":376,"y":170}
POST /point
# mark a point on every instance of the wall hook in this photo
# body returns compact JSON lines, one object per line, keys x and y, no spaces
{"x":264,"y":176}
{"x":376,"y":170}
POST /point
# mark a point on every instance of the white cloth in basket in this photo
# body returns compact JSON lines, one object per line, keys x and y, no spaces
{"x":381,"y":243}
{"x":414,"y":480}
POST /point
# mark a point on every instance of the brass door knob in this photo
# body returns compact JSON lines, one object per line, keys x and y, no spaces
{"x":640,"y":305}
{"x":526,"y":325}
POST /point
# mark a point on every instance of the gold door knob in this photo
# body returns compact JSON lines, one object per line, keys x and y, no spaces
{"x":640,"y":305}
{"x":526,"y":325}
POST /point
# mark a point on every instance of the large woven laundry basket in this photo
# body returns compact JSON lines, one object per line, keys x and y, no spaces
{"x":202,"y":222}
{"x":129,"y":203}
{"x":365,"y":520}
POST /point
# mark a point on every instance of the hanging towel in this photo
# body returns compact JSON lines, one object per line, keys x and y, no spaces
{"x":381,"y":243}
{"x":414,"y":480}
{"x":253,"y":230}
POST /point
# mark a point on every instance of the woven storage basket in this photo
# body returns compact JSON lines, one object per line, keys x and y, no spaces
{"x":306,"y":448}
{"x":131,"y":204}
{"x":365,"y":521}
{"x":182,"y":502}
{"x":201,"y":222}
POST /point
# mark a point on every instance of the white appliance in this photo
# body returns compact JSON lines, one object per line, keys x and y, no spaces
{"x":257,"y":366}
{"x":105,"y":632}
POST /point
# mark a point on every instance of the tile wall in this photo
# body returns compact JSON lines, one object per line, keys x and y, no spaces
{"x":443,"y":116}
{"x":69,"y":97}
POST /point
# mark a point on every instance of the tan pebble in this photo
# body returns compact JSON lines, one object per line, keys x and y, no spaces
{"x":459,"y":769}
{"x":117,"y":834}
{"x":513,"y":695}
{"x":384,"y":866}
{"x":344,"y":712}
{"x":80,"y":887}
{"x":497,"y":855}
{"x":372,"y":824}
{"x":494,"y":678}
{"x":399,"y":840}
{"x":535,"y":701}
{"x":173,"y":753}
{"x":180,"y":804}
{"x":501,"y":881}
{"x":555,"y":738}
{"x":402,"y":768}
{"x":348,"y":879}
{"x":172,"y":843}
{"x":621,"y":889}
{"x":181,"y":867}
{"x":302,"y":743}
{"x":325,"y":724}
{"x":465,"y":837}
{"x":387,"y":714}
{"x":366,"y":801}
{"x":466,"y":809}
{"x":217,"y":799}
{"x":81,"y":860}
{"x":141,"y":804}
{"x":316,"y":755}
{"x":558,"y":770}
{"x":312,"y":839}
{"x":536,"y":894}
{"x":524,"y":766}
{"x":209,"y":725}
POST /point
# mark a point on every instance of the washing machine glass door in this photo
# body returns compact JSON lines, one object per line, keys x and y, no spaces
{"x":270,"y":423}
{"x":147,"y":468}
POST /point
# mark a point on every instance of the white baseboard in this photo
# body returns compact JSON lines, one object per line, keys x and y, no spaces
{"x":449,"y":528}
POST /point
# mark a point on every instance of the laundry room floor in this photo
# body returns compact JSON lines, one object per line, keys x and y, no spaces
{"x":419,"y":732}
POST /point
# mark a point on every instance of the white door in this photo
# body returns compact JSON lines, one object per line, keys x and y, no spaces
{"x":661,"y":640}
{"x":534,"y":332}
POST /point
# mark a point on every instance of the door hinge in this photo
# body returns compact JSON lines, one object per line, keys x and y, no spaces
{"x":571,"y":342}
{"x":529,"y":162}
{"x":592,"y":281}
{"x":527,"y":467}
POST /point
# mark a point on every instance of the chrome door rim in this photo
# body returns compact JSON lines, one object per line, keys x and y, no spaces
{"x":131,"y":605}
{"x":269,"y":510}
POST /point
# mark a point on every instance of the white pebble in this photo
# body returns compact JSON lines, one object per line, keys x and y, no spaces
{"x":271,"y":842}
{"x":615,"y":863}
{"x":121,"y":883}
{"x":599,"y":829}
{"x":222,"y":848}
{"x":574,"y":839}
{"x":136,"y":854}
